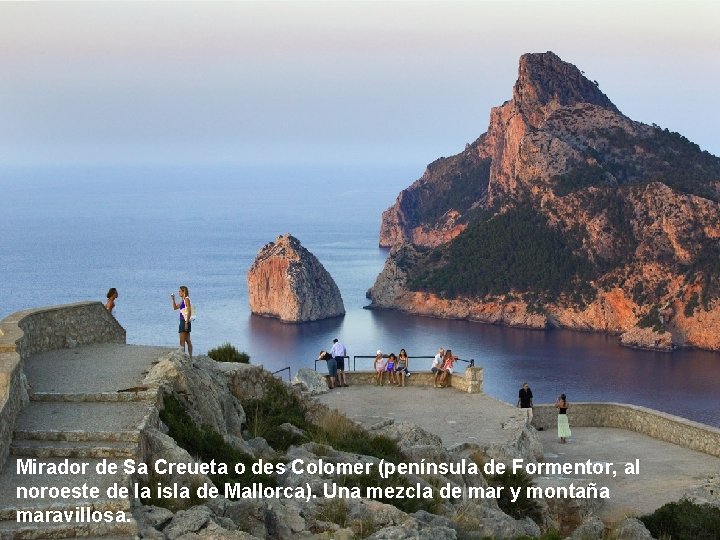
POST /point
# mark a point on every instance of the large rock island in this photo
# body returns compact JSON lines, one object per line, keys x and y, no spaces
{"x":565,"y":213}
{"x":288,"y":282}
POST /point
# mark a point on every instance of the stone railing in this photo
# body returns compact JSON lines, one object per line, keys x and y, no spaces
{"x":471,"y":382}
{"x":32,"y":331}
{"x":656,"y":424}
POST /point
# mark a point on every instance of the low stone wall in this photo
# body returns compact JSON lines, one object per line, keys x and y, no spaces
{"x":32,"y":331}
{"x":60,"y":327}
{"x":470,"y":382}
{"x":656,"y":424}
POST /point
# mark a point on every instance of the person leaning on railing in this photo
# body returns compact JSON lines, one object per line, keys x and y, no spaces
{"x":331,"y":365}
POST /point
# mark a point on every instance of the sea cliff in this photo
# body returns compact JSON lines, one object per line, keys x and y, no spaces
{"x":565,"y":213}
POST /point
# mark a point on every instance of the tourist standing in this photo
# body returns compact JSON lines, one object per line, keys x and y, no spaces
{"x":185,"y":327}
{"x":111,"y":296}
{"x":401,"y":367}
{"x":339,"y":353}
{"x":562,"y":405}
{"x":379,"y":365}
{"x":525,"y":398}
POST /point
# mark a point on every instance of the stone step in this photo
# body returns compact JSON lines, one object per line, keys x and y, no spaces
{"x":20,"y":531}
{"x":107,"y":367}
{"x":74,"y":449}
{"x":79,"y":436}
{"x":111,"y":397}
{"x":57,"y":420}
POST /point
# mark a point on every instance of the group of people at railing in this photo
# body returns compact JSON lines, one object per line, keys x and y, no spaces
{"x":394,"y":368}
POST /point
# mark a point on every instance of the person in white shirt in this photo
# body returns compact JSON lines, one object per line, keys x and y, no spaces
{"x":185,"y":325}
{"x":339,"y":352}
{"x":437,"y":361}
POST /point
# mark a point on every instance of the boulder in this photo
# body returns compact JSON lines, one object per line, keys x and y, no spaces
{"x":647,"y":338}
{"x":591,"y":529}
{"x":188,"y":521}
{"x":405,"y":533}
{"x":288,"y":282}
{"x":311,"y":381}
{"x":203,"y":392}
{"x":632,"y":529}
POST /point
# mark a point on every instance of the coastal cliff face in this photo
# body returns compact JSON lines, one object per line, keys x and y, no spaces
{"x":288,"y":282}
{"x":564,"y":213}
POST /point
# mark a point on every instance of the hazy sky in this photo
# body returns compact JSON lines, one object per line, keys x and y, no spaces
{"x":342,"y":82}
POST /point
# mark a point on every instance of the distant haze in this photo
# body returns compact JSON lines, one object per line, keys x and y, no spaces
{"x":337,"y":83}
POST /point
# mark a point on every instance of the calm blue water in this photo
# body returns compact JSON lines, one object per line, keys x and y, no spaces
{"x":68,"y":234}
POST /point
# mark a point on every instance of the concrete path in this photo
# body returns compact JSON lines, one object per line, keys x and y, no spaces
{"x":86,"y":405}
{"x":666,"y":470}
{"x":456,"y":417}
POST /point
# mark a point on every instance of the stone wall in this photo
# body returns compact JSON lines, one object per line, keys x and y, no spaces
{"x":32,"y":331}
{"x":13,"y":395}
{"x":471,"y":382}
{"x":656,"y":424}
{"x":64,"y":327}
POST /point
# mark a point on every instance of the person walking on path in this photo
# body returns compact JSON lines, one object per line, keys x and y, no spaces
{"x":525,"y":398}
{"x":562,"y":405}
{"x":185,"y":327}
{"x":339,"y":353}
{"x":111,"y":296}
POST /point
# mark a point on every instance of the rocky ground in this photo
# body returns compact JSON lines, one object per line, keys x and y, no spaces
{"x":212,"y":394}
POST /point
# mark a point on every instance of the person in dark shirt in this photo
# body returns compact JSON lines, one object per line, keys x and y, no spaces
{"x":562,"y":405}
{"x":525,"y":398}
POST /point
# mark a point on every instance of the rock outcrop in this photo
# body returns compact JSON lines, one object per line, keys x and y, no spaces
{"x":564,"y":213}
{"x":288,"y":282}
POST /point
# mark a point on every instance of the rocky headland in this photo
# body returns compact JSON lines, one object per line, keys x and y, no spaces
{"x":288,"y":282}
{"x":565,"y":213}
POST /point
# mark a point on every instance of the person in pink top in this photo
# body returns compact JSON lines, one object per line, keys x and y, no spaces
{"x":380,"y":364}
{"x":447,"y":367}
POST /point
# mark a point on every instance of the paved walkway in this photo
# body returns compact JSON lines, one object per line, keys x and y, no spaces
{"x":666,"y":470}
{"x":456,"y":417}
{"x":79,"y":413}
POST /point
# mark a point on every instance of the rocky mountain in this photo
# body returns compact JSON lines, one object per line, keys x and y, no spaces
{"x":564,"y":213}
{"x":288,"y":282}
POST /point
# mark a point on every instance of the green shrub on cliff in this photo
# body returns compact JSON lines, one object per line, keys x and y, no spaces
{"x":692,"y":305}
{"x":684,"y":520}
{"x":281,"y":405}
{"x":524,"y":506}
{"x":516,"y":250}
{"x":228,"y":353}
{"x":207,"y":444}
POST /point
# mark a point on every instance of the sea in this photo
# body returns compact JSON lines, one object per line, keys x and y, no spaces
{"x":68,"y":233}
